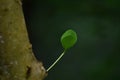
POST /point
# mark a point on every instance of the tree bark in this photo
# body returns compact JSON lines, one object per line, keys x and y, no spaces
{"x":17,"y":61}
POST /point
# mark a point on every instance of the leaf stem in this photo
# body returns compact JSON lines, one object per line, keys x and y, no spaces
{"x":56,"y":61}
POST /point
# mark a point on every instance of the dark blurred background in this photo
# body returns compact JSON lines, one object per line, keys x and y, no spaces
{"x":96,"y":56}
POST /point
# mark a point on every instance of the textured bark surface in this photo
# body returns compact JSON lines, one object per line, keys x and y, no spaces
{"x":17,"y":61}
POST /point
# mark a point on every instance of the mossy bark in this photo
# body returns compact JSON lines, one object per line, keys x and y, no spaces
{"x":17,"y":61}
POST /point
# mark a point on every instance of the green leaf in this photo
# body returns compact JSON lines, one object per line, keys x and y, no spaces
{"x":68,"y":39}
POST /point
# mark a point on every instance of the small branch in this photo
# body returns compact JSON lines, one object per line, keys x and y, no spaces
{"x":56,"y":61}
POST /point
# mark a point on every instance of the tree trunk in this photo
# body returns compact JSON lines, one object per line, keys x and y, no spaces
{"x":17,"y":61}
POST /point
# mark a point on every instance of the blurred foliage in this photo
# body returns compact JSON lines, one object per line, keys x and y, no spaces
{"x":97,"y":23}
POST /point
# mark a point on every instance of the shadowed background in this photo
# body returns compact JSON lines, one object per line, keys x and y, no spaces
{"x":96,"y":56}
